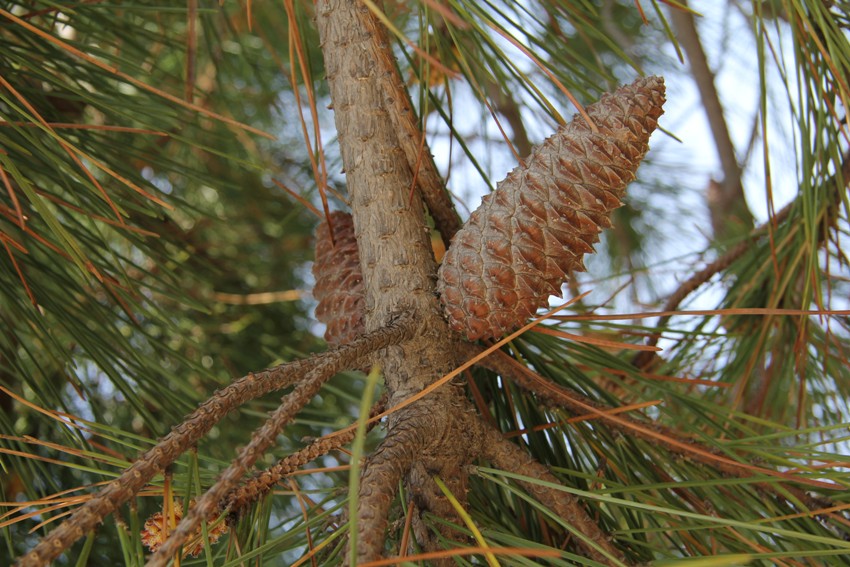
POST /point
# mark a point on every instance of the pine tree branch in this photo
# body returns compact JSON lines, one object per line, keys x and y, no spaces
{"x":509,"y":457}
{"x":208,"y":505}
{"x":397,"y":265}
{"x":263,"y":482}
{"x":395,"y":251}
{"x":643,"y":359}
{"x":379,"y":483}
{"x":412,"y":140}
{"x":185,"y":435}
{"x":654,"y":433}
{"x":729,"y":211}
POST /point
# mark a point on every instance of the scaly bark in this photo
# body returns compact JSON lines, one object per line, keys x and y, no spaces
{"x":386,"y":467}
{"x":412,"y":141}
{"x":397,"y":264}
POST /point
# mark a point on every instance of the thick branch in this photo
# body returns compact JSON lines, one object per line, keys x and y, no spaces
{"x":415,"y":146}
{"x":183,"y":436}
{"x":507,"y":456}
{"x":379,"y":484}
{"x":395,"y":250}
{"x":424,"y":439}
{"x":428,"y":496}
{"x":398,"y":266}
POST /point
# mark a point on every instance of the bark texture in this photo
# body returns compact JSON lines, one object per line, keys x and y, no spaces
{"x":395,"y":251}
{"x":439,"y":432}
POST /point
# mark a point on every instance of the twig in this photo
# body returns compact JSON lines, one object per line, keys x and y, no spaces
{"x":263,"y":438}
{"x":643,"y":359}
{"x":208,"y":505}
{"x":651,"y":432}
{"x":504,"y":104}
{"x":183,"y":436}
{"x":264,"y":481}
{"x":507,"y":456}
{"x":731,"y":196}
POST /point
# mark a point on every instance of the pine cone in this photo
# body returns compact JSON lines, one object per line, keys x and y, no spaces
{"x":339,"y":281}
{"x":519,"y":246}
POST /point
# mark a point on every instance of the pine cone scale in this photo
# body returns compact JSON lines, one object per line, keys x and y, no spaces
{"x":519,"y":246}
{"x":339,"y":288}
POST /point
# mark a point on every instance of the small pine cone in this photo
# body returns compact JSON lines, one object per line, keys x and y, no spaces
{"x":339,"y":281}
{"x":157,"y":528}
{"x":519,"y":246}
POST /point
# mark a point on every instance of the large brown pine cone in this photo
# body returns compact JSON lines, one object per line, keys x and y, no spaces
{"x":339,"y":282}
{"x":519,"y":246}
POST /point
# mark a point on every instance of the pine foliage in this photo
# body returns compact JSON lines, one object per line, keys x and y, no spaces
{"x":162,"y":168}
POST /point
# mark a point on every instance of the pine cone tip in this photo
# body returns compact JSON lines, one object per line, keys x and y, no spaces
{"x":520,"y":245}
